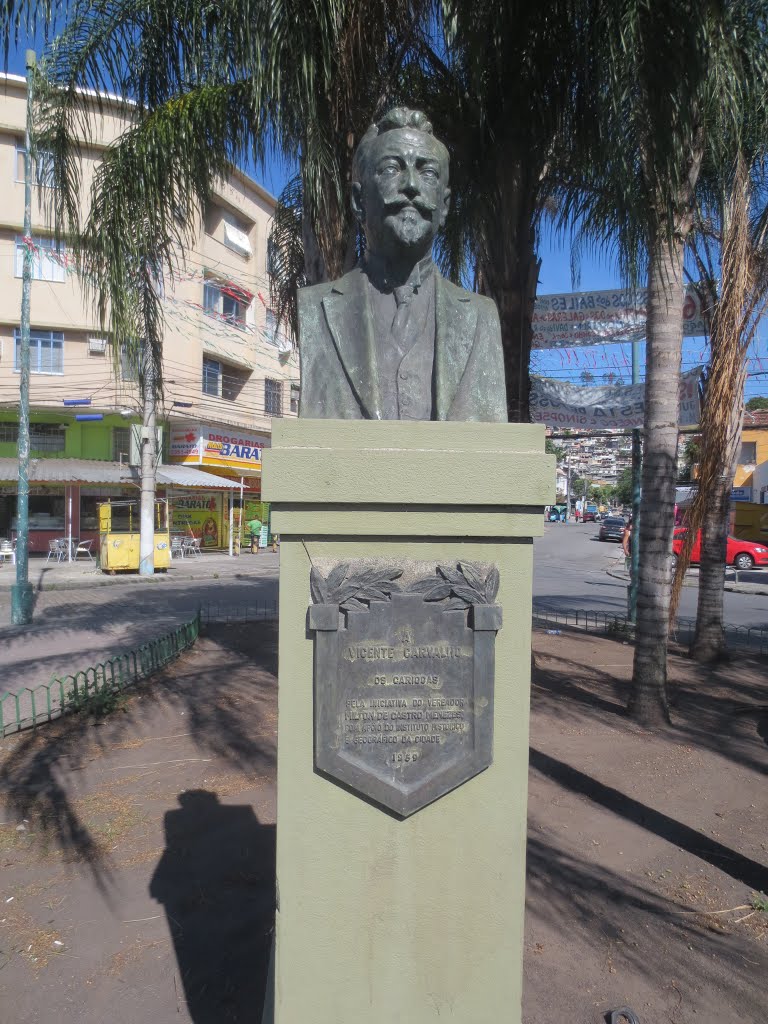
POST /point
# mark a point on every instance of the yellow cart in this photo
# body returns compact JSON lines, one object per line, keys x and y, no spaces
{"x":119,"y":536}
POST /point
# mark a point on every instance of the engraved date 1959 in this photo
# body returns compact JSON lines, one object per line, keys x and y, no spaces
{"x":400,"y":757}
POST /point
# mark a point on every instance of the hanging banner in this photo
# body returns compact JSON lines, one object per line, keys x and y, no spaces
{"x":575,"y":319}
{"x":615,"y":406}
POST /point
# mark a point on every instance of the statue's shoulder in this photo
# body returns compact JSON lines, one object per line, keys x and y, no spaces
{"x":313,"y":294}
{"x":481,"y":303}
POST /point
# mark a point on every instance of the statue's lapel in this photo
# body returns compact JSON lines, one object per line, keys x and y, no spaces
{"x":455,"y":324}
{"x":348,"y":313}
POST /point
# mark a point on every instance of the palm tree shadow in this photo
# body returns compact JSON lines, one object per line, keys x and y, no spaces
{"x":226,"y":695}
{"x":216,"y":883}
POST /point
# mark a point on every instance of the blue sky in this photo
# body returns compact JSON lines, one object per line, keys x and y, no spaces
{"x":597,"y":271}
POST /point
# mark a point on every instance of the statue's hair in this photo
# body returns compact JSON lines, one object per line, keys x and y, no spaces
{"x":397,"y":117}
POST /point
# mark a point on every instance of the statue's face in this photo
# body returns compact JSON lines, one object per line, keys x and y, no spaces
{"x":402,"y":200}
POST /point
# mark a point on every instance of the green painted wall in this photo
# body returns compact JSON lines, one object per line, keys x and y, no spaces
{"x":82,"y":440}
{"x":379,"y":920}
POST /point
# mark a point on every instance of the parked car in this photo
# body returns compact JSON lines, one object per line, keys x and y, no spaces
{"x":590,"y":514}
{"x":612,"y":528}
{"x":744,"y":554}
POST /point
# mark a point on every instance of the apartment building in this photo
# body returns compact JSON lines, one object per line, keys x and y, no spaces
{"x":227,"y":372}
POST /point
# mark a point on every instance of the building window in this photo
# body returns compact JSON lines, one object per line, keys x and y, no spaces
{"x":46,"y":437}
{"x":270,"y":328}
{"x":748,"y":456}
{"x":226,"y":301}
{"x":236,"y":235}
{"x":212,"y":377}
{"x":121,"y":444}
{"x":43,"y":437}
{"x":273,"y":397}
{"x":42,"y":172}
{"x":46,"y":351}
{"x":129,"y":364}
{"x":295,"y":394}
{"x":47,"y":259}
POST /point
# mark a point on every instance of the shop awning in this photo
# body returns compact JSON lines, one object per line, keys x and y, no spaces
{"x":91,"y":471}
{"x":68,"y":471}
{"x":185,"y":476}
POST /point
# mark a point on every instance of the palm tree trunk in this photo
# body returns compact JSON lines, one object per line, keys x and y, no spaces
{"x":648,"y":701}
{"x":148,"y":476}
{"x":508,"y":273}
{"x":709,"y":640}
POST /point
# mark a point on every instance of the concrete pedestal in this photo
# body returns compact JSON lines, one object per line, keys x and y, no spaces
{"x":382,"y":920}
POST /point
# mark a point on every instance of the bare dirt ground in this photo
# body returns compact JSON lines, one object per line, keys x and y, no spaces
{"x":141,"y":885}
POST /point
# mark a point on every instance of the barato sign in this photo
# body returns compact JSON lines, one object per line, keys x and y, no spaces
{"x":617,"y":406}
{"x":574,"y":319}
{"x":216,"y":446}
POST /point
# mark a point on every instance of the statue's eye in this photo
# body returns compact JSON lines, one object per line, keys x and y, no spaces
{"x":389,"y":168}
{"x":429,"y":172}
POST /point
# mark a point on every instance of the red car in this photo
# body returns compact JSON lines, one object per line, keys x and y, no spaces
{"x":744,"y":554}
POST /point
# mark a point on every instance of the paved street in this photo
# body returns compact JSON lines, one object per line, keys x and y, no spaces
{"x":93,"y":616}
{"x":75,"y":628}
{"x":570,"y":573}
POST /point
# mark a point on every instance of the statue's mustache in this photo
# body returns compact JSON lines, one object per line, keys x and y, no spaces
{"x":422,"y":205}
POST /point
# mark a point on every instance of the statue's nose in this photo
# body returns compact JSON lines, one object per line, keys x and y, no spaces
{"x":410,"y":184}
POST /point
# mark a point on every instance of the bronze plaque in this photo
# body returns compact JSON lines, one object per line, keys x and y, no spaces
{"x":404,"y":673}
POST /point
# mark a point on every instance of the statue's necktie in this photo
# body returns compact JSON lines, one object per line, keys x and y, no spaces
{"x":403,"y":296}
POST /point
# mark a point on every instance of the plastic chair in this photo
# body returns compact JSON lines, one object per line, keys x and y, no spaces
{"x":84,"y":548}
{"x":192,"y":546}
{"x":177,"y":547}
{"x":56,"y":549}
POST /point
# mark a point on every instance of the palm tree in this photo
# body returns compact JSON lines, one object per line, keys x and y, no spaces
{"x":671,"y":85}
{"x":206,"y":86}
{"x":730,"y":258}
{"x":504,"y":84}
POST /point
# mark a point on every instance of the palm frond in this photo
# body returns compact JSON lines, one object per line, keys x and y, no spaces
{"x":285,"y":265}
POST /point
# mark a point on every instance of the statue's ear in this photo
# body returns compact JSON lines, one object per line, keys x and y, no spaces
{"x":446,"y":205}
{"x":356,"y":200}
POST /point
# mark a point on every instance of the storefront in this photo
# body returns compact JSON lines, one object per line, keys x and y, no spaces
{"x":65,"y":494}
{"x":232,"y":455}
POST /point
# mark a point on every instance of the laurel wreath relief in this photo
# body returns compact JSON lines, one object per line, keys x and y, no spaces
{"x":459,"y":587}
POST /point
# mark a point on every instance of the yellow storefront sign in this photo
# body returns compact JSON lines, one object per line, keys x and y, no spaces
{"x":204,"y":446}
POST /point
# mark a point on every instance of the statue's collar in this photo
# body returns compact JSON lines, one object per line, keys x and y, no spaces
{"x":379,"y":278}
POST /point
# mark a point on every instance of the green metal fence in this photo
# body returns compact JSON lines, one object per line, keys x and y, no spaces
{"x":751,"y":638}
{"x":36,"y":704}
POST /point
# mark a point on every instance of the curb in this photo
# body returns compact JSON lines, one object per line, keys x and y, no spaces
{"x":127,"y":580}
{"x":756,"y":589}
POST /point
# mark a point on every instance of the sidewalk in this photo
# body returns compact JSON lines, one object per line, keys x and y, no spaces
{"x":81,"y":618}
{"x":44,"y":575}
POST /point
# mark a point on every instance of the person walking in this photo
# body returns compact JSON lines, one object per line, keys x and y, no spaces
{"x":626,"y":545}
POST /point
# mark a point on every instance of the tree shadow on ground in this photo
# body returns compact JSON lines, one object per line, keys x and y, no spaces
{"x":743,"y":869}
{"x":154,"y":611}
{"x":615,"y":918}
{"x":229,"y":714}
{"x":216,"y":883}
{"x":711,"y":707}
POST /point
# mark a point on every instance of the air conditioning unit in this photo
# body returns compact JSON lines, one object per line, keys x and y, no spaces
{"x":97,"y":346}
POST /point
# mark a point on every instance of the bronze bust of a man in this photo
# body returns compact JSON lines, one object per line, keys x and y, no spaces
{"x":393,"y":339}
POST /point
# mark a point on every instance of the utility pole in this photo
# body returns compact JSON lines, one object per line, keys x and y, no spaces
{"x":148,"y":464}
{"x":568,"y":484}
{"x":21,"y":591}
{"x":637,"y":467}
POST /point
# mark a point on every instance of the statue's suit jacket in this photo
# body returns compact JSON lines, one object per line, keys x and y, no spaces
{"x":339,"y":378}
